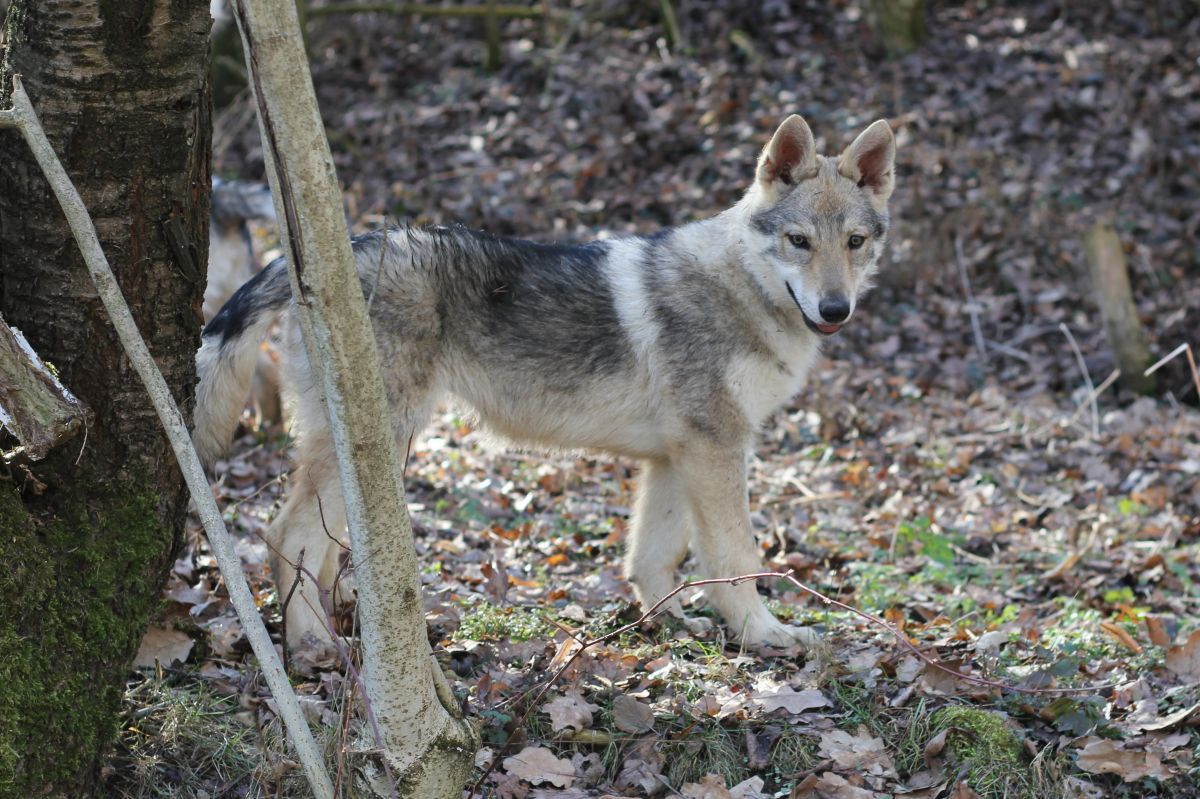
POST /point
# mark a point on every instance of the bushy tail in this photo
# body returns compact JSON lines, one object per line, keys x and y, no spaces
{"x":228,"y":354}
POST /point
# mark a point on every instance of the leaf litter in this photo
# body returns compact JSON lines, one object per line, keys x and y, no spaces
{"x":971,"y":499}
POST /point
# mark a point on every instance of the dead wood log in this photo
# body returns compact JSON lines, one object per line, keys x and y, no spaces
{"x":1110,"y":283}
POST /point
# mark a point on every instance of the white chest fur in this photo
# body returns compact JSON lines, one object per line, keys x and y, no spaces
{"x":761,"y":385}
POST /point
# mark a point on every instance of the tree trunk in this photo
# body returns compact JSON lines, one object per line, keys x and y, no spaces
{"x":899,"y":24}
{"x":426,"y":747}
{"x":88,"y":534}
{"x":1110,"y":283}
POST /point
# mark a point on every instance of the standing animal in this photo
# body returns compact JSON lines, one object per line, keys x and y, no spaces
{"x":672,"y":349}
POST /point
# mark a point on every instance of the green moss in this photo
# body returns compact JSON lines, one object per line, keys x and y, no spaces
{"x":483,"y":622}
{"x":987,"y":747}
{"x":79,"y":587}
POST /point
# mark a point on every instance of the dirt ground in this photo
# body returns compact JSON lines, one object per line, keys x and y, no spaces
{"x":960,"y":464}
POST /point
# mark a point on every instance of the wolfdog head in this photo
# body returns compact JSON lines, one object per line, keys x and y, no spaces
{"x":817,"y":224}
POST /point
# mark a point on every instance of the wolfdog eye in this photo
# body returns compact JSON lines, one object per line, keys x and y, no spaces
{"x":856,"y":241}
{"x":796,"y":240}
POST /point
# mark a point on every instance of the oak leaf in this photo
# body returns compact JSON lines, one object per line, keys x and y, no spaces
{"x":536,"y":765}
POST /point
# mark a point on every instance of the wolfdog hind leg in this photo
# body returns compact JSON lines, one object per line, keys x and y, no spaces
{"x":658,"y":539}
{"x":305,"y":538}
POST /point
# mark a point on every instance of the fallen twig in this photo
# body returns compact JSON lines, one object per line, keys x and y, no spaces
{"x":1087,"y":378}
{"x":1191,"y":359}
{"x":972,"y":306}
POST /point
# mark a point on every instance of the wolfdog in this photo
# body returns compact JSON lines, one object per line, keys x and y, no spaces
{"x":672,"y":349}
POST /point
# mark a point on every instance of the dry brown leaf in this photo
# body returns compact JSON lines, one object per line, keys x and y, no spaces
{"x":630,"y":715}
{"x":1173,"y":719}
{"x":963,"y":791}
{"x":712,"y":786}
{"x":924,"y":784}
{"x":536,"y":765}
{"x":933,"y":750}
{"x":909,"y":668}
{"x":1184,"y":659}
{"x":161,"y":645}
{"x":637,"y":773}
{"x":784,"y":698}
{"x":830,"y":786}
{"x":571,"y":710}
{"x":1102,"y":756}
{"x":861,"y":751}
{"x":1156,"y":629}
{"x":748,"y":789}
{"x":1122,"y":637}
{"x":941,"y":682}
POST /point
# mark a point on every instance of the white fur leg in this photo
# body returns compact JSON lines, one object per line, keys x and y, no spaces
{"x":658,"y":540}
{"x":724,"y":542}
{"x":306,"y":533}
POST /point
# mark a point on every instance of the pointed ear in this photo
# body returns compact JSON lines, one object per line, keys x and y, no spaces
{"x":870,"y":161}
{"x":791,"y":156}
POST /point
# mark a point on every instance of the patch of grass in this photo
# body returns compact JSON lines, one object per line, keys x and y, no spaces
{"x":911,"y":731}
{"x":792,"y":754}
{"x":707,"y":748}
{"x":181,"y":739}
{"x":858,"y":704}
{"x":1078,"y":632}
{"x":484,"y":622}
{"x":983,"y":743}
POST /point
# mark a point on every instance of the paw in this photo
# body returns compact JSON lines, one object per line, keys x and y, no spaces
{"x":305,"y":628}
{"x":770,"y":633}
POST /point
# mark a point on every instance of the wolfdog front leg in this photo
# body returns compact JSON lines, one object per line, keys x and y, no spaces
{"x":715,"y":479}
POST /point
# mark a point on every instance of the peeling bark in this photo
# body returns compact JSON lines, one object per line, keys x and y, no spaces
{"x":34,"y":405}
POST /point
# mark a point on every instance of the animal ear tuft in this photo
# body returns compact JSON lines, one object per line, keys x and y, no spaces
{"x":791,"y":156}
{"x":871,"y":159}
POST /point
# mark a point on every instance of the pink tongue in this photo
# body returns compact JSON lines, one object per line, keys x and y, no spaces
{"x":829,"y":328}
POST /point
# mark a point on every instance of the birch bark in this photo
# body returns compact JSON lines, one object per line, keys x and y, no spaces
{"x":426,"y":747}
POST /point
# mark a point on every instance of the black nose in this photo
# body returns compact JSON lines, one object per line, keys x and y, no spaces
{"x":834,"y":309}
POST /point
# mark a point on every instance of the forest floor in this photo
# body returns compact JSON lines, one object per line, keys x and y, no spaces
{"x":950,"y":467}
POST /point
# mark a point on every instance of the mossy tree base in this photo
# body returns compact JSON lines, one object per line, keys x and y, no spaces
{"x":75,"y":606}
